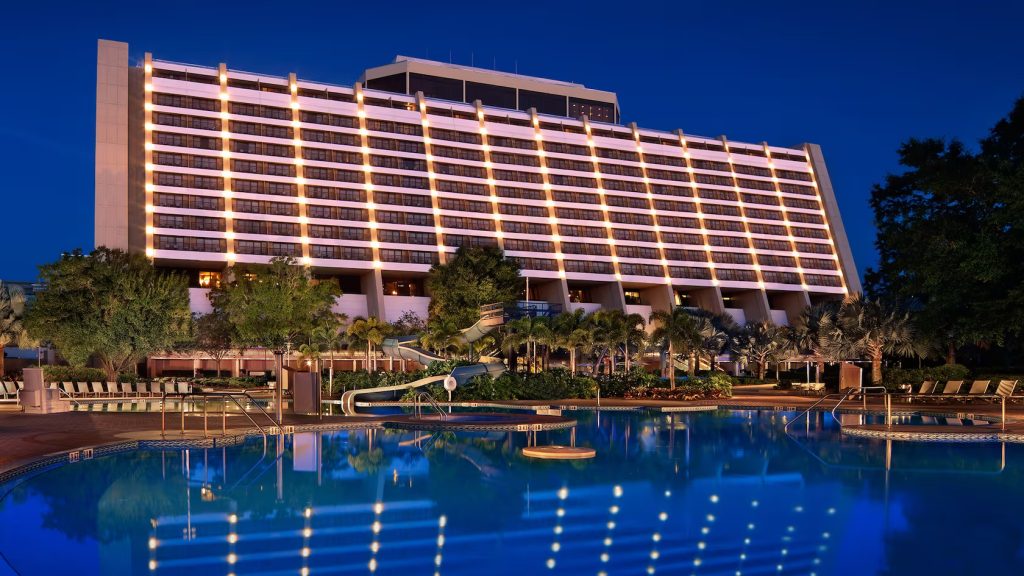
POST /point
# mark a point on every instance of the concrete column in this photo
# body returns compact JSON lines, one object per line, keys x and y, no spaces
{"x":553,"y":291}
{"x":793,"y":303}
{"x":609,"y":295}
{"x":754,"y":304}
{"x":834,"y":219}
{"x":373,"y":287}
{"x":659,"y":298}
{"x":111,"y":175}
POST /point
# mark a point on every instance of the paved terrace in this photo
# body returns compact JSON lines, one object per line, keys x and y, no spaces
{"x":24,"y":437}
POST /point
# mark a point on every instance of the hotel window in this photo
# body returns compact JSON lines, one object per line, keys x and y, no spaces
{"x":209,"y":279}
{"x":805,"y":218}
{"x":756,"y":184}
{"x":670,"y":190}
{"x":814,"y":248}
{"x":777,"y":277}
{"x":760,"y":199}
{"x":631,"y":218}
{"x":523,"y":210}
{"x":329,"y":193}
{"x":637,"y":252}
{"x":665,"y":160}
{"x":518,"y":159}
{"x":624,"y":186}
{"x":514,"y":227}
{"x":516,"y":176}
{"x":736,"y":275}
{"x":630,"y":234}
{"x":796,"y":189}
{"x":464,"y":205}
{"x":800,"y":203}
{"x":459,"y":170}
{"x":732,"y":258}
{"x":491,"y":95}
{"x":436,"y":87}
{"x":577,"y":181}
{"x":577,"y":165}
{"x":460,"y":187}
{"x":542,"y":102}
{"x":686,"y":255}
{"x":724,"y":225}
{"x":403,"y":288}
{"x":340,"y":252}
{"x":207,"y":163}
{"x":631,"y":269}
{"x":823,"y":280}
{"x":586,"y":248}
{"x":459,"y":240}
{"x":689,"y":272}
{"x":770,"y":229}
{"x":674,"y":206}
{"x":467,"y":223}
{"x":777,"y":260}
{"x":618,"y":170}
{"x":520,"y":245}
{"x":535,"y":263}
{"x":771,"y":244}
{"x":589,"y":267}
{"x":716,"y":180}
{"x":791,"y":175}
{"x":682,"y":238}
{"x":458,"y":153}
{"x":818,"y":233}
{"x":817,"y":263}
{"x":394,"y":162}
{"x":626,"y":202}
{"x":597,"y":111}
{"x":763,"y":214}
{"x":752,"y":170}
{"x":711,"y":194}
{"x":577,"y":214}
{"x":521,"y":193}
{"x":508,"y":142}
{"x":668,"y":175}
{"x":614,"y":154}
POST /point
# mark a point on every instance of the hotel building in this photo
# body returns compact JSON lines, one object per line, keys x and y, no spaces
{"x":202,"y":166}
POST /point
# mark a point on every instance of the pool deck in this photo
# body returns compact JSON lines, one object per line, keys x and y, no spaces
{"x":24,"y":437}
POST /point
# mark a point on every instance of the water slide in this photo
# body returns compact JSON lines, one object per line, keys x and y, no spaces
{"x":407,"y":348}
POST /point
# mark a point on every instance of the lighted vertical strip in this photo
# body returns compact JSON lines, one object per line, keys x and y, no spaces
{"x":600,"y":194}
{"x":442,"y":521}
{"x":696,"y":204}
{"x":785,"y":217}
{"x":307,"y":534}
{"x":650,"y":203}
{"x":435,"y":204}
{"x":225,"y":134}
{"x":148,"y":119}
{"x":300,"y":174}
{"x":828,"y":223}
{"x":375,"y":528}
{"x":232,"y":538}
{"x":364,"y":140}
{"x":552,"y":216}
{"x":743,"y":213}
{"x":489,"y":167}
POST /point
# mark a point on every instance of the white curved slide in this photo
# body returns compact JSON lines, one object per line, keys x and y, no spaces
{"x":407,"y":348}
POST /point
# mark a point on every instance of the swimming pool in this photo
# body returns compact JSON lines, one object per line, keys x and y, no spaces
{"x":724,"y":492}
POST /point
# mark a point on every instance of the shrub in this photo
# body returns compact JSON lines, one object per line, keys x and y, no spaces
{"x":73,"y":374}
{"x":230,"y":382}
{"x":714,"y":385}
{"x":893,"y":378}
{"x":620,"y":383}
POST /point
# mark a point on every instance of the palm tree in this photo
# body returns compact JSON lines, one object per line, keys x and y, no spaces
{"x":874,"y":330}
{"x":715,"y":331}
{"x":817,"y":333}
{"x":526,"y":331}
{"x":633,"y":333}
{"x":331,"y":334}
{"x":442,"y":337}
{"x":572,"y":332}
{"x":760,"y":343}
{"x":12,"y":312}
{"x":371,"y":331}
{"x":677,"y":332}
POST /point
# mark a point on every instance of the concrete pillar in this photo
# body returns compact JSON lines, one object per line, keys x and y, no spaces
{"x":552,"y":291}
{"x":754,"y":304}
{"x":111,"y":172}
{"x":373,"y":287}
{"x":660,"y":298}
{"x":792,"y":302}
{"x":609,"y":295}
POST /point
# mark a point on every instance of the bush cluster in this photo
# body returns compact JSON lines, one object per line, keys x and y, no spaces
{"x":893,"y":378}
{"x":714,"y":385}
{"x":73,"y":374}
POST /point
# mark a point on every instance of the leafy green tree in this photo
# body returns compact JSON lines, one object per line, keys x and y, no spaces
{"x":369,"y":332}
{"x":760,"y":343}
{"x":949,"y":238}
{"x":473,"y":277}
{"x":12,"y":312}
{"x":328,"y":335}
{"x":444,"y":338}
{"x":676,"y":331}
{"x":874,"y":330}
{"x":214,"y":335}
{"x":110,"y":304}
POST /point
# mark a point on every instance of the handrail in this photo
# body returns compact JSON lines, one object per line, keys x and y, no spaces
{"x":843,"y":397}
{"x":70,"y":397}
{"x":225,"y":396}
{"x":433,"y":403}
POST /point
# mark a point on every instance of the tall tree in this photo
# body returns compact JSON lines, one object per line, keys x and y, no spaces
{"x":715,"y":331}
{"x":369,"y":332}
{"x":817,"y":334}
{"x":527,"y":331}
{"x":12,"y":313}
{"x":676,"y":331}
{"x":214,"y":335}
{"x":473,"y":277}
{"x":949,"y":238}
{"x":572,"y":332}
{"x":874,"y":330}
{"x":760,"y":343}
{"x":109,"y":304}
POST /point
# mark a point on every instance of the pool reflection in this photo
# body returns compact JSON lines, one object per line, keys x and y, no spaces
{"x":721,"y":493}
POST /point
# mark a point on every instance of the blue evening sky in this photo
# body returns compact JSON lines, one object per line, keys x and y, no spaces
{"x":855,"y":77}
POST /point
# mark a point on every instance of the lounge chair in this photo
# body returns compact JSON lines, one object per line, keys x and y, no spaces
{"x":1006,"y":389}
{"x":97,"y":389}
{"x":113,"y":389}
{"x":128,"y":389}
{"x":81,"y":389}
{"x":977,"y":390}
{"x":183,"y":388}
{"x":8,"y":389}
{"x":926,"y":389}
{"x":67,"y":388}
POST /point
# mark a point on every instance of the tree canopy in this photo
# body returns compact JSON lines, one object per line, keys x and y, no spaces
{"x":110,"y":304}
{"x":473,"y":277}
{"x":274,"y":306}
{"x":950,"y":238}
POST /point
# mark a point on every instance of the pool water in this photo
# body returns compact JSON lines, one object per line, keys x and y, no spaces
{"x":728,"y":492}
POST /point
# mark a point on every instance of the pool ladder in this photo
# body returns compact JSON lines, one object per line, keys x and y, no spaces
{"x":843,"y":396}
{"x":425,"y":397}
{"x":225,"y":396}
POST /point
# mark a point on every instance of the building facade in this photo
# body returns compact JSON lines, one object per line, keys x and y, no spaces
{"x":204,"y":167}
